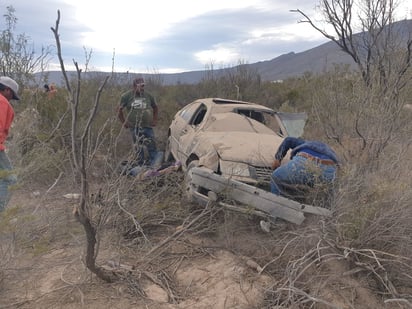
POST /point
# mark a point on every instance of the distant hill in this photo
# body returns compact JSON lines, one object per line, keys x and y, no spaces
{"x":316,"y":60}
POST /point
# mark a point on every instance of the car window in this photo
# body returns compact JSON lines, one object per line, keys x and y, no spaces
{"x":257,"y":115}
{"x":283,"y":124}
{"x":294,"y":123}
{"x":188,"y":112}
{"x":267,"y":118}
{"x":272,"y":123}
{"x":199,"y":115}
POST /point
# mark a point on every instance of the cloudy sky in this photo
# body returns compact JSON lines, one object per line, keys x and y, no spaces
{"x":167,"y":36}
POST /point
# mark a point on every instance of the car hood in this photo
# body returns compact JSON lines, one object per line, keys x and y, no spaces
{"x":256,"y":149}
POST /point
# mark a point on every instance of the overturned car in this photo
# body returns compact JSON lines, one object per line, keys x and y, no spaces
{"x":233,"y":138}
{"x":233,"y":142}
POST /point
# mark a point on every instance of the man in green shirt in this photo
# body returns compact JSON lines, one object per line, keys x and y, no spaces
{"x":138,"y":112}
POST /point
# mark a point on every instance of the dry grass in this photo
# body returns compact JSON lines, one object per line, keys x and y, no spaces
{"x":147,"y":232}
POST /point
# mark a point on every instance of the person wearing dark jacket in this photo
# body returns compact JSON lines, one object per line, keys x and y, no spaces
{"x":311,"y":163}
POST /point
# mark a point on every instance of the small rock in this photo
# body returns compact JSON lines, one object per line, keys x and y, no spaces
{"x":265,"y":226}
{"x":156,"y":293}
{"x":73,"y":196}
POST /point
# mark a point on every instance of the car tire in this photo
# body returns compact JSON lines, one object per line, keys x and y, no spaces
{"x":168,"y":156}
{"x":189,"y":187}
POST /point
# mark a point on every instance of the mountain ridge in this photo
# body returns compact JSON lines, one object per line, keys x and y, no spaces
{"x":315,"y":60}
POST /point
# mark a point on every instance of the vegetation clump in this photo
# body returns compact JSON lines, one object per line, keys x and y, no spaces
{"x":136,"y":231}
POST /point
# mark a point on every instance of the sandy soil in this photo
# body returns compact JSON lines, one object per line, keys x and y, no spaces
{"x":42,"y":249}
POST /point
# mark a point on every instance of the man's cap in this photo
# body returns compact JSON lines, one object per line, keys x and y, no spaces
{"x":138,"y":80}
{"x":11,"y":83}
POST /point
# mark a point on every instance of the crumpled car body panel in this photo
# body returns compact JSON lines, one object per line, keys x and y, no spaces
{"x":229,"y":138}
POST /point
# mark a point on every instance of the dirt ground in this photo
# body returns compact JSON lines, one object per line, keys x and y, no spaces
{"x":42,"y":267}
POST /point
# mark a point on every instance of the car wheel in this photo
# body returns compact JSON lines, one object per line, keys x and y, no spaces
{"x":168,"y":153}
{"x":190,"y":188}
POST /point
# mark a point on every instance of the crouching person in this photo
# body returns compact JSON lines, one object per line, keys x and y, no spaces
{"x":312,"y":164}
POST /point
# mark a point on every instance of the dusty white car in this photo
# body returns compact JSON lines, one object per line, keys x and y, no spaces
{"x":234,"y":139}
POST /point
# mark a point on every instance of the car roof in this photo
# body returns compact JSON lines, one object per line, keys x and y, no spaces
{"x":219,"y":104}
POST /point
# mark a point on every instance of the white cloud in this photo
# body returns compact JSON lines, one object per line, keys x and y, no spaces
{"x":126,"y":24}
{"x":171,"y":36}
{"x":217,"y":55}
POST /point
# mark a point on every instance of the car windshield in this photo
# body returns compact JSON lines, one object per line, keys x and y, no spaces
{"x":294,"y":123}
{"x":259,"y":121}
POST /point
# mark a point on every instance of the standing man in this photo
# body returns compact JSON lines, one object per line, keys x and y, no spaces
{"x":8,"y":91}
{"x":311,"y":162}
{"x":141,"y":116}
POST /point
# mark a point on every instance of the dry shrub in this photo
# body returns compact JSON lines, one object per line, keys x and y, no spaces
{"x":36,"y":159}
{"x":373,"y":213}
{"x":8,"y":230}
{"x":152,"y":208}
{"x":148,"y":205}
{"x":42,"y":165}
{"x":371,"y":225}
{"x":363,"y":251}
{"x":154,"y":220}
{"x":358,"y":121}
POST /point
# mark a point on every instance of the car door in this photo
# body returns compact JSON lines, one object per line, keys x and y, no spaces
{"x":179,"y":127}
{"x":188,"y":136}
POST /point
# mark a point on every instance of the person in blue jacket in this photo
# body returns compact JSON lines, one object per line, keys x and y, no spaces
{"x":311,"y":163}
